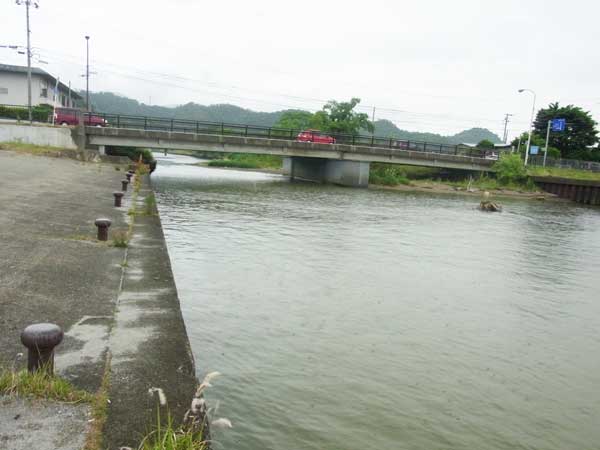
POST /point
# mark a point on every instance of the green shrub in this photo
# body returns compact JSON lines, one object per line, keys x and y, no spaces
{"x":387,"y":175}
{"x":553,"y":153}
{"x":132,"y":153}
{"x":510,"y":169}
{"x":39,"y":113}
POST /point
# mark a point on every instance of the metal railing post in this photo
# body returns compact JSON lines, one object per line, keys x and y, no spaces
{"x":197,"y":127}
{"x":269,"y":135}
{"x":222,"y":128}
{"x":171,"y":124}
{"x":246,"y":131}
{"x":372,"y":140}
{"x":390,"y":142}
{"x":145,"y":123}
{"x":118,"y":121}
{"x":353,"y":139}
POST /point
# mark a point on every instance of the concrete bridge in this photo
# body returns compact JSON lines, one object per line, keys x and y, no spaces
{"x":346,"y":162}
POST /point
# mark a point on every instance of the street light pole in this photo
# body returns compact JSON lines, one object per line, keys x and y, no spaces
{"x":87,"y":74}
{"x":530,"y":123}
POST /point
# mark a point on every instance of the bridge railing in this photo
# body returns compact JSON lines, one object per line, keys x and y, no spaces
{"x":256,"y":131}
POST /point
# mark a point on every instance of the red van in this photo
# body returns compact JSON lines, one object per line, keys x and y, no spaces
{"x":315,"y":136}
{"x":68,"y":116}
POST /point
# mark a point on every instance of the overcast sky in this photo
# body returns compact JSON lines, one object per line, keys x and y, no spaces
{"x":427,"y":65}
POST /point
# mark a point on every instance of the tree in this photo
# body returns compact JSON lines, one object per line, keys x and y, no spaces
{"x":485,"y":144}
{"x":297,"y":120}
{"x":340,"y":117}
{"x":335,"y":117}
{"x":536,"y":140}
{"x":580,"y":132}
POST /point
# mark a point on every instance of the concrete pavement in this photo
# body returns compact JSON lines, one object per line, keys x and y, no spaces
{"x":108,"y":300}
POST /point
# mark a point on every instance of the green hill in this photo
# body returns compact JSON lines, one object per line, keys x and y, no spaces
{"x":474,"y":135}
{"x":108,"y":102}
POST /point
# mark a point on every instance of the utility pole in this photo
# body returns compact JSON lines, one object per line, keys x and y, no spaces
{"x":506,"y":119}
{"x":87,"y":74}
{"x":530,"y":122}
{"x":373,"y":120}
{"x":27,"y":4}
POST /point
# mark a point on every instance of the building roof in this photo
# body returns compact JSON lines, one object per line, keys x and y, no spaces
{"x":40,"y":72}
{"x":498,"y":146}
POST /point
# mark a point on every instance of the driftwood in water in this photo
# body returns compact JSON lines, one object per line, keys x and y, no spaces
{"x":490,"y":206}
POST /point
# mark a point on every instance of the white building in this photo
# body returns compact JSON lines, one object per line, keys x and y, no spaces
{"x":13,"y":88}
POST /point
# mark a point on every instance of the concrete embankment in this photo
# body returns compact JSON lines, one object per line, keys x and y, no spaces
{"x":114,"y":304}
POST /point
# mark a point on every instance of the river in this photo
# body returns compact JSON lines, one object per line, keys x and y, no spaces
{"x":370,"y":319}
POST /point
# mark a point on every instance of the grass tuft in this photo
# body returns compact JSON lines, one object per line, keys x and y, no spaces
{"x":22,"y":147}
{"x":120,"y":239}
{"x":93,"y":440}
{"x":40,"y":385}
{"x":150,"y":205}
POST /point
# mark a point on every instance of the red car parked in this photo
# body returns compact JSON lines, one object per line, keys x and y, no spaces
{"x":315,"y":136}
{"x":68,"y":116}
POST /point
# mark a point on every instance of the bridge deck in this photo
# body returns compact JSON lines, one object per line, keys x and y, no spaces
{"x":130,"y":137}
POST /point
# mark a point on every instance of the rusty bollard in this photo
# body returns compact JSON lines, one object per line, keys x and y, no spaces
{"x":40,"y":340}
{"x":128,"y":175}
{"x":124,"y":184}
{"x":118,"y":196}
{"x":103,"y":225}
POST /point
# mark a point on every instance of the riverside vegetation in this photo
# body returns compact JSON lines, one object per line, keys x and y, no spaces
{"x":509,"y":174}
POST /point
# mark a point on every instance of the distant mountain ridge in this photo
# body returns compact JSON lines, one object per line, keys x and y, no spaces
{"x":110,"y":103}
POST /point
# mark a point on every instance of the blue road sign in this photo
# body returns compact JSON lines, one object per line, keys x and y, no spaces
{"x":559,"y":124}
{"x":534,"y":150}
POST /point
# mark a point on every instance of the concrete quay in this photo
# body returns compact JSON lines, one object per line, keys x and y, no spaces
{"x":118,"y":306}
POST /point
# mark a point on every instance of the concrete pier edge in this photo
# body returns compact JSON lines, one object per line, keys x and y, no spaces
{"x":148,"y":342}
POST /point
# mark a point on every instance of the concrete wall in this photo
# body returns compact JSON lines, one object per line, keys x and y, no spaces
{"x":38,"y":135}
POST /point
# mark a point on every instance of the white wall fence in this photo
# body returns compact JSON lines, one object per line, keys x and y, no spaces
{"x":37,"y":134}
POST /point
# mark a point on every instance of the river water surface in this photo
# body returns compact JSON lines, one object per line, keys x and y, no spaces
{"x":349,"y":319}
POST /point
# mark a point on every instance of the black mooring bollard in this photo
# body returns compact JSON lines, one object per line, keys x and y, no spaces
{"x":124,"y":184}
{"x":40,"y":340}
{"x":118,"y":197}
{"x":128,"y":175}
{"x":103,"y":225}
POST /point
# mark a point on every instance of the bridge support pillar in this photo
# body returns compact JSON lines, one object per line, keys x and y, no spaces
{"x":320,"y":170}
{"x":286,"y":167}
{"x":102,"y":149}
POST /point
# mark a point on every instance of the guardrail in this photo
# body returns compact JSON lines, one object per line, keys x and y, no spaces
{"x":578,"y":164}
{"x":232,"y":129}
